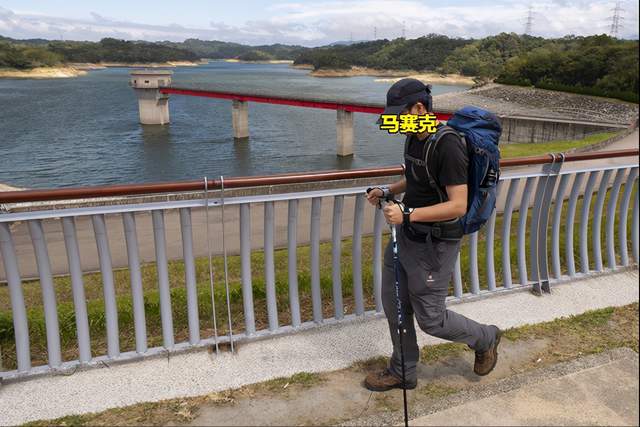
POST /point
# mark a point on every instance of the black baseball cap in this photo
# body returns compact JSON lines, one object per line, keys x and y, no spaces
{"x":404,"y":93}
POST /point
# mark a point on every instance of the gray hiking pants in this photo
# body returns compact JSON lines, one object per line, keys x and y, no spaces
{"x":423,"y":289}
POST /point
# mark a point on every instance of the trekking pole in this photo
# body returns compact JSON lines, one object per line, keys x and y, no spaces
{"x":401,"y":330}
{"x":226,"y":269}
{"x":213,"y":298}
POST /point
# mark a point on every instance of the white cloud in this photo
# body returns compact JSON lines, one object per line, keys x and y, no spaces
{"x":322,"y":22}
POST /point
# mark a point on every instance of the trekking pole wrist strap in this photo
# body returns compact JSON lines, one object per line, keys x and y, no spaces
{"x":386,"y":192}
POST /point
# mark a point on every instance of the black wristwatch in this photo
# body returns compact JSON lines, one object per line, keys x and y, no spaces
{"x":405,"y":215}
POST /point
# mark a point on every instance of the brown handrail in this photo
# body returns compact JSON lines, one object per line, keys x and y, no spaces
{"x":257,"y":181}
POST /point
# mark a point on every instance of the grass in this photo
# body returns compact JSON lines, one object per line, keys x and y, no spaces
{"x":537,"y":148}
{"x":588,"y":333}
{"x":436,"y":353}
{"x":97,"y":320}
{"x":567,"y":338}
{"x":370,"y":364}
{"x":302,"y":379}
{"x":437,"y":391}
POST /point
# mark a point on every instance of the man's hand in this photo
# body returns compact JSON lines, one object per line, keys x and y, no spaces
{"x":393,"y":213}
{"x":374,"y":195}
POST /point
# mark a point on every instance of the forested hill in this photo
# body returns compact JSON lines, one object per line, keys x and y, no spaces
{"x":214,"y":49}
{"x":596,"y":65}
{"x":423,"y":53}
{"x":25,"y":54}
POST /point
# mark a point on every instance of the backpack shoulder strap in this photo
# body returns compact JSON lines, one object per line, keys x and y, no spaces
{"x":406,"y":144}
{"x":410,"y":158}
{"x":429,"y":149}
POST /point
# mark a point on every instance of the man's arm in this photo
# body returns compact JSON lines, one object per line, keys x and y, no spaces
{"x":398,"y":186}
{"x":453,"y":208}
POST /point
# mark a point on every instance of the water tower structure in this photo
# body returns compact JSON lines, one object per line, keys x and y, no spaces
{"x":153,"y":105}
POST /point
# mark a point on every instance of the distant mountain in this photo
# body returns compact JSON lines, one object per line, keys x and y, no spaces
{"x":422,"y":53}
{"x":214,"y":49}
{"x":347,"y":42}
{"x":24,"y":41}
{"x":27,"y":54}
{"x":30,"y":53}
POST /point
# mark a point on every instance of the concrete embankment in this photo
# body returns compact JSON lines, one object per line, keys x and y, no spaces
{"x":531,"y":103}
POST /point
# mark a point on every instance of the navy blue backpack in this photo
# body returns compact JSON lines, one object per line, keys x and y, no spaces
{"x":481,"y":130}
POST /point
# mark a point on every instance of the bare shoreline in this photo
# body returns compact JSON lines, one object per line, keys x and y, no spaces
{"x":81,"y":69}
{"x":42,"y":73}
{"x":434,"y":78}
{"x":265,"y":61}
{"x":392,"y":75}
{"x":5,"y":187}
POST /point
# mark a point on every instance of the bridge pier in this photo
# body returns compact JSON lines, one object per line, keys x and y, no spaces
{"x":153,"y":106}
{"x":344,"y":131}
{"x":240,"y":119}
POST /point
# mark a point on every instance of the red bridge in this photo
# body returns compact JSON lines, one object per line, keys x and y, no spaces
{"x":154,"y":87}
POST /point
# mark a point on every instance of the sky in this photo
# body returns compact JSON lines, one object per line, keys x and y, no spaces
{"x":307,"y":23}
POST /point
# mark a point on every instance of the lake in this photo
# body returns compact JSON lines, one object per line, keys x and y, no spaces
{"x":85,"y":130}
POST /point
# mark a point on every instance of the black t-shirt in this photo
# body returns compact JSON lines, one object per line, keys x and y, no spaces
{"x":448,"y":164}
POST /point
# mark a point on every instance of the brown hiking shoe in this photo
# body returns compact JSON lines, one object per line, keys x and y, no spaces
{"x":486,"y":360}
{"x":384,"y":380}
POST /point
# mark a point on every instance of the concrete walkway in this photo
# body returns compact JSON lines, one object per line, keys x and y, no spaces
{"x":600,"y":390}
{"x":319,"y":350}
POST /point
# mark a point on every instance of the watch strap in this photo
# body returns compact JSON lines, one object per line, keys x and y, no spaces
{"x":406,"y":213}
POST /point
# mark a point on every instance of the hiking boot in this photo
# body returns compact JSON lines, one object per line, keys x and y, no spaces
{"x":384,"y":380}
{"x":486,"y":360}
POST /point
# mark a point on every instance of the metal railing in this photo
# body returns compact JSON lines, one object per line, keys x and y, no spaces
{"x":550,"y":197}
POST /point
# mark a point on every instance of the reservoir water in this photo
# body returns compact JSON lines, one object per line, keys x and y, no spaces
{"x":85,"y":130}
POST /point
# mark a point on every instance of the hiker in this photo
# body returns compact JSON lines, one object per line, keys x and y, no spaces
{"x":428,"y":242}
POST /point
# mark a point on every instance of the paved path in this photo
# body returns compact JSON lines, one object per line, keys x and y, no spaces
{"x":321,"y":349}
{"x":604,"y":394}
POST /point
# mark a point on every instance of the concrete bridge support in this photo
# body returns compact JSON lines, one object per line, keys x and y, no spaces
{"x":344,"y":129}
{"x":240,"y":119}
{"x":153,"y":106}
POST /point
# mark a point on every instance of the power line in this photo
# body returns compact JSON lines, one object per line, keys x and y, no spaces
{"x":615,"y":19}
{"x":529,"y":24}
{"x":375,"y":33}
{"x":403,"y":29}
